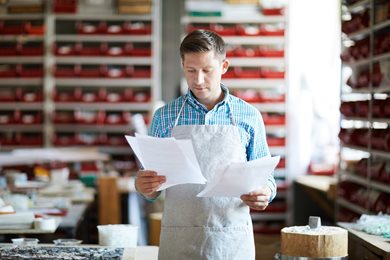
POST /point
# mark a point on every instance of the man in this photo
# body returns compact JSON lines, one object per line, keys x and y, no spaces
{"x":223,"y":129}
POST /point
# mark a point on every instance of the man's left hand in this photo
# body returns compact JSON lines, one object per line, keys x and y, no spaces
{"x":257,"y":199}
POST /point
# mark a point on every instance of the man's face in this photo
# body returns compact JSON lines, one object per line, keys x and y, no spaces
{"x":203,"y":72}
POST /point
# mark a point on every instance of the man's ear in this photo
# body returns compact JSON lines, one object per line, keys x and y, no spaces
{"x":225,"y":65}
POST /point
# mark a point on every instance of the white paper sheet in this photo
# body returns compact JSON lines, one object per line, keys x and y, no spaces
{"x":240,"y":178}
{"x":172,"y":158}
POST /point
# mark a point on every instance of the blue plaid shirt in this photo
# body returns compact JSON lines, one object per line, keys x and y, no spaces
{"x":247,"y":118}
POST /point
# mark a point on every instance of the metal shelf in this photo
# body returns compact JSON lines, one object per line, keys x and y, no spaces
{"x":254,"y":40}
{"x":21,"y":128}
{"x":92,"y":128}
{"x":235,"y":19}
{"x":257,"y":61}
{"x":102,"y":38}
{"x":22,"y":38}
{"x":270,"y":107}
{"x":358,"y":5}
{"x":103,"y":82}
{"x":21,"y":59}
{"x":104,"y":105}
{"x":21,"y":81}
{"x":102,"y":17}
{"x":103,"y":60}
{"x":367,"y":183}
{"x":382,"y":25}
{"x":352,"y":206}
{"x":21,"y":105}
{"x":254,"y":83}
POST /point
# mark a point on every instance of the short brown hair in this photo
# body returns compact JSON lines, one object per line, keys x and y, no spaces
{"x":203,"y":41}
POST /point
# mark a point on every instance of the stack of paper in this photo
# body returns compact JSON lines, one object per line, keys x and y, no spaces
{"x":170,"y":157}
{"x":19,"y":220}
{"x":176,"y":160}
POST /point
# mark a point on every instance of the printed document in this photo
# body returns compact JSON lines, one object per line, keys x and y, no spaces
{"x":240,"y":178}
{"x":170,"y":157}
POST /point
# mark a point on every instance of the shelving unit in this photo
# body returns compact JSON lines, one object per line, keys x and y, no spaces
{"x":364,"y":174}
{"x":96,"y":70}
{"x":256,"y":50}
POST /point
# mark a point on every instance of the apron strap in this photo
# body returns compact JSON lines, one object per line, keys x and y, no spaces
{"x":182,"y":107}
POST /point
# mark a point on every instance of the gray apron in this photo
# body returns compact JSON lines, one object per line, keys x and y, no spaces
{"x":207,"y":228}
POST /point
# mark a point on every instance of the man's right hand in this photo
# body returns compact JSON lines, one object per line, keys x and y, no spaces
{"x":147,"y":183}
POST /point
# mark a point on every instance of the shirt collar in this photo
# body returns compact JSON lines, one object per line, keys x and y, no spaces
{"x":190,"y":98}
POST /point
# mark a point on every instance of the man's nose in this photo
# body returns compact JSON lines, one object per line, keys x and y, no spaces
{"x":199,"y":77}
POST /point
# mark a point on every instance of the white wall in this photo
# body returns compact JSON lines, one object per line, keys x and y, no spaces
{"x":314,"y":82}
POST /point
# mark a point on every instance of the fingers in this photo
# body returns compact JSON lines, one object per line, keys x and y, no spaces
{"x":148,"y":182}
{"x":256,"y":200}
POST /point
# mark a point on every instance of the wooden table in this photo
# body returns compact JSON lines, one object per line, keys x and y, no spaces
{"x":365,"y":246}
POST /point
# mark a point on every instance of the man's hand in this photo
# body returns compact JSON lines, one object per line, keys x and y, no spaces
{"x":257,"y":199}
{"x":147,"y":183}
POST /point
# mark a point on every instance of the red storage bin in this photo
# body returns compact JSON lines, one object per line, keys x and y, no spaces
{"x":118,"y":118}
{"x":90,"y":49}
{"x":245,"y":72}
{"x":34,"y":29}
{"x":348,"y":108}
{"x":114,"y":50}
{"x":31,"y":50}
{"x":281,"y":164}
{"x":90,"y":117}
{"x":377,"y":168}
{"x":250,"y":96}
{"x":247,"y":52}
{"x":34,"y":139}
{"x":271,"y":31}
{"x":65,"y":6}
{"x":7,"y":95}
{"x":89,"y":71}
{"x":229,"y":74}
{"x":272,"y":74}
{"x":139,"y":72}
{"x":117,"y":96}
{"x":116,"y":140}
{"x":361,"y":167}
{"x":8,"y":71}
{"x":64,"y":49}
{"x":64,"y":117}
{"x":29,"y":95}
{"x":248,"y":30}
{"x":66,"y":71}
{"x":27,"y":118}
{"x":12,"y":27}
{"x":114,"y":29}
{"x":274,"y":119}
{"x":272,"y":53}
{"x":65,"y":139}
{"x":137,"y":28}
{"x":7,"y":117}
{"x":138,"y":50}
{"x":67,"y":95}
{"x":230,"y":51}
{"x":88,"y":138}
{"x":7,"y":138}
{"x":224,"y":29}
{"x":26,"y":71}
{"x":276,"y":141}
{"x":272,"y":11}
{"x":141,"y":96}
{"x":9,"y":49}
{"x":91,"y":28}
{"x":114,"y":72}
